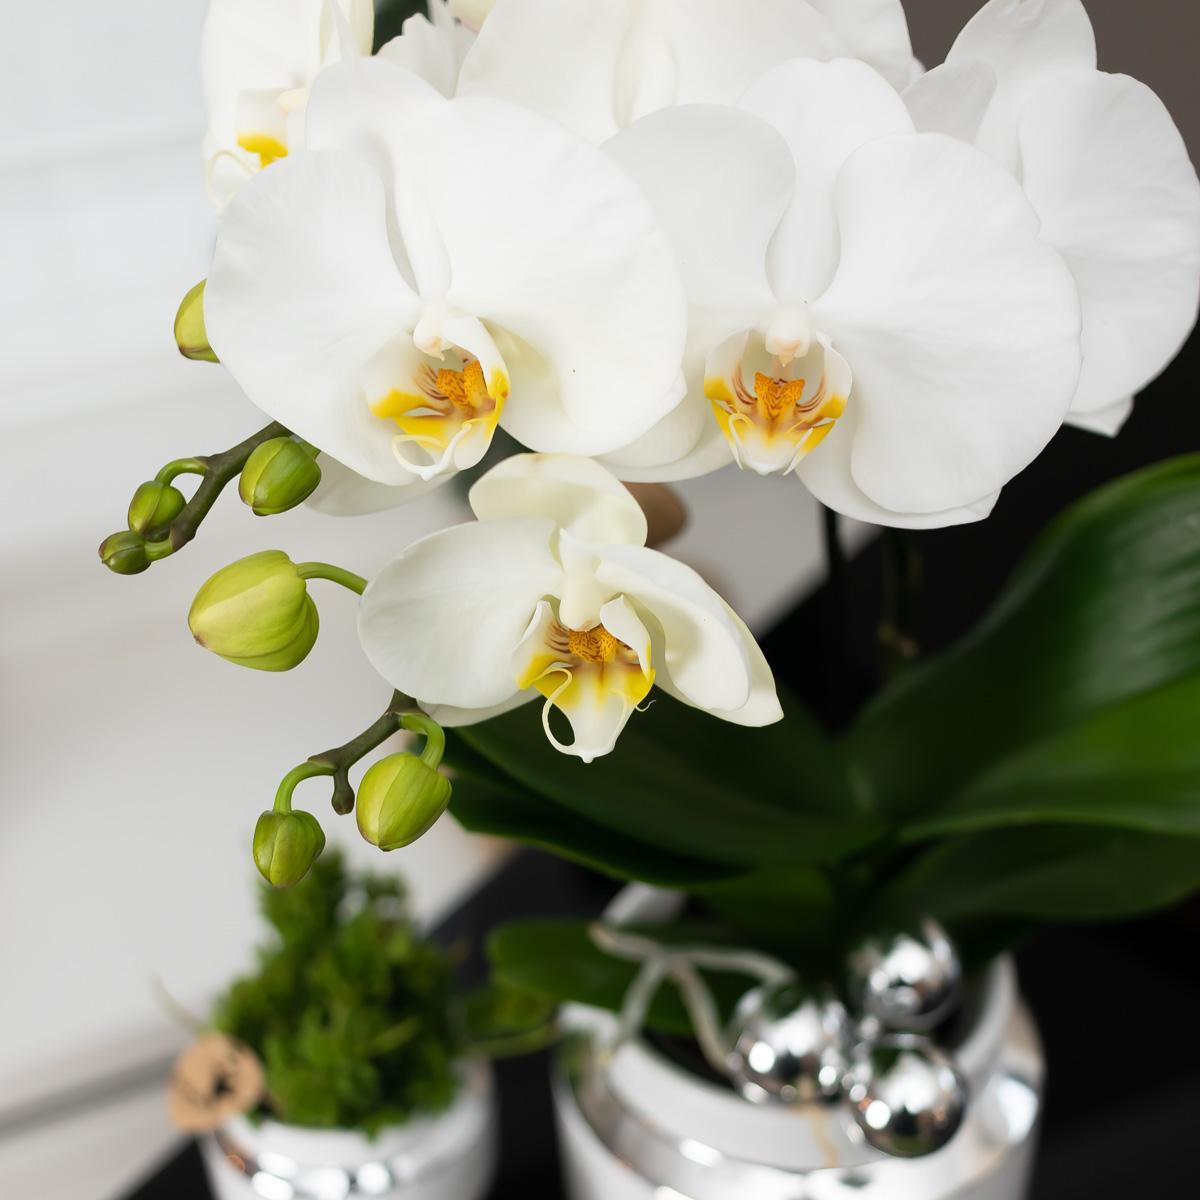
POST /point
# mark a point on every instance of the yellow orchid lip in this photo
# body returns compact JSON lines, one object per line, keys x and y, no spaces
{"x":773,"y":426}
{"x":447,"y":402}
{"x":591,"y":676}
{"x":268,"y":149}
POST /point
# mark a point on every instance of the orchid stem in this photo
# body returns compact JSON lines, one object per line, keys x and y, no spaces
{"x":903,"y":572}
{"x":216,"y":472}
{"x":338,"y":762}
{"x":297,"y":775}
{"x":837,"y":619}
{"x":338,"y":575}
{"x":435,"y":737}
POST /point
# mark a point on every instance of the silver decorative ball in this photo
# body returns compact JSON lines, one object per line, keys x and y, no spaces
{"x":907,"y":1097}
{"x":908,"y":980}
{"x":788,"y":1046}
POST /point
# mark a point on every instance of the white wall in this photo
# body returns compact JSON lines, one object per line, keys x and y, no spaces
{"x":134,"y":764}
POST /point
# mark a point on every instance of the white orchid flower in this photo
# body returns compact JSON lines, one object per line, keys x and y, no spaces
{"x":429,"y":268}
{"x":259,"y":59}
{"x":598,"y":65}
{"x":433,"y":47}
{"x":554,"y":593}
{"x":1107,"y":171}
{"x":872,"y":307}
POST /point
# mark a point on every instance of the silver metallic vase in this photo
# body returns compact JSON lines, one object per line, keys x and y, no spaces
{"x":635,"y":1125}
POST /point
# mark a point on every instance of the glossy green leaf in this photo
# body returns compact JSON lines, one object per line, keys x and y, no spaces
{"x":558,"y":959}
{"x":789,"y":910}
{"x":710,"y":791}
{"x":1104,"y":609}
{"x":1046,"y":873}
{"x":524,"y":817}
{"x":1134,"y":765}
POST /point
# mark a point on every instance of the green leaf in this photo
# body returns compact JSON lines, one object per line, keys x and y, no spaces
{"x":1134,"y":765}
{"x":712,"y":792}
{"x":558,"y":959}
{"x":788,"y":910}
{"x":1046,"y":874}
{"x":522,"y":816}
{"x":1104,"y":609}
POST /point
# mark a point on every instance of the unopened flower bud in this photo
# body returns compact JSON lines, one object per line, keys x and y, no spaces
{"x":154,"y":504}
{"x":400,"y":800}
{"x":190,"y":334}
{"x":286,"y":844}
{"x":279,"y":475}
{"x":125,"y":553}
{"x":256,"y":613}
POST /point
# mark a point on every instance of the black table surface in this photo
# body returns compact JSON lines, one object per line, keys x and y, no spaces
{"x":1117,"y":1007}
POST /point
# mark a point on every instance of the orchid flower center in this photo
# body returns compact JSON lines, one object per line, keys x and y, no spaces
{"x":262,"y":121}
{"x":775,"y":409}
{"x":594,"y":677}
{"x":446,"y":405}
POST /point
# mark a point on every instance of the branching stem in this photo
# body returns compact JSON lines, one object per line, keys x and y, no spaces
{"x":338,"y":762}
{"x":216,"y":472}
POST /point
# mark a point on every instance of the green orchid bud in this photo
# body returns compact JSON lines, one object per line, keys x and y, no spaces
{"x":279,"y":475}
{"x":400,"y":800}
{"x":256,"y":613}
{"x":125,"y":553}
{"x":154,"y":504}
{"x":190,"y":334}
{"x":286,"y":844}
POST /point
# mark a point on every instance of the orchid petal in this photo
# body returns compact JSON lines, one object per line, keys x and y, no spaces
{"x":1022,"y":40}
{"x":565,"y":256}
{"x":572,"y":262}
{"x":827,"y":474}
{"x":704,"y":169}
{"x":597,"y":67}
{"x":676,"y":155}
{"x":1107,"y":422}
{"x":960,"y":325}
{"x":762,"y":706}
{"x":298,"y":349}
{"x":875,"y":31}
{"x":579,"y":495}
{"x":454,"y":718}
{"x":1110,"y":176}
{"x":952,"y":99}
{"x":428,"y":50}
{"x":825,"y":111}
{"x":441,"y":622}
{"x":699,"y":650}
{"x":345,"y":493}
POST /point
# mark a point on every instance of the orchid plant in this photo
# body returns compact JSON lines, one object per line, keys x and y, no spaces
{"x":646,"y":240}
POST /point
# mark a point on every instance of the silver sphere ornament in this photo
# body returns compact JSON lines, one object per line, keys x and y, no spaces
{"x":788,"y":1046}
{"x":907,"y":1097}
{"x":908,"y":980}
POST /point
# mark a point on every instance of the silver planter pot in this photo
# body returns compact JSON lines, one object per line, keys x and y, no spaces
{"x":447,"y":1156}
{"x":638,"y":1126}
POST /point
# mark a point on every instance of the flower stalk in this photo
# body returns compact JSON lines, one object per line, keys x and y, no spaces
{"x":216,"y":472}
{"x":338,"y":762}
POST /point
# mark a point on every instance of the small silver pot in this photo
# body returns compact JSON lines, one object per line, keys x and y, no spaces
{"x":447,"y":1156}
